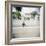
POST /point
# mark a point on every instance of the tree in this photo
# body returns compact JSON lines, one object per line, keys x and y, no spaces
{"x":34,"y":13}
{"x":16,"y":14}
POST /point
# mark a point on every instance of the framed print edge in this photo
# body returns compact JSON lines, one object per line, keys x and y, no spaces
{"x":8,"y":23}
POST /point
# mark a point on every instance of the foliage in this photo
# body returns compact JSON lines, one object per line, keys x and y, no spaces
{"x":16,"y":14}
{"x":34,"y":13}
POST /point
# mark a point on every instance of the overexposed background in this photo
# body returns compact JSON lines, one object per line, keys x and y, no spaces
{"x":2,"y":24}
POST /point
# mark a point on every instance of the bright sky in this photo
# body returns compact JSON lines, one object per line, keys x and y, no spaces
{"x":26,"y":9}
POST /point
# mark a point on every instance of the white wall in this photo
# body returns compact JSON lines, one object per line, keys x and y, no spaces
{"x":2,"y":24}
